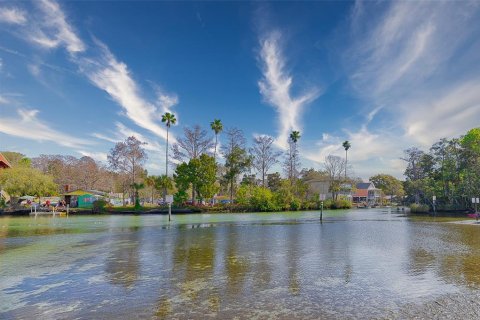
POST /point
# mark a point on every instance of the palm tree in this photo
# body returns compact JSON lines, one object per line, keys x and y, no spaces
{"x":294,"y":137}
{"x":346,"y":145}
{"x":216,"y":126}
{"x":164,"y":183}
{"x":169,"y":119}
{"x":150,"y":182}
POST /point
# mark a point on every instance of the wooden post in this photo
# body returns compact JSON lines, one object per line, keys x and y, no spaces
{"x":169,"y":212}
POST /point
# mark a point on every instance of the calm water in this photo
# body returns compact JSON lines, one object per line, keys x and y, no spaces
{"x":357,"y":264}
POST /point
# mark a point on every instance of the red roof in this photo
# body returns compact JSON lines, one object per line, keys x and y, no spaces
{"x":361,"y":193}
{"x":4,"y":162}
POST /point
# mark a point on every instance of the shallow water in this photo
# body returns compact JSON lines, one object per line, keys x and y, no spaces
{"x":356,"y":264}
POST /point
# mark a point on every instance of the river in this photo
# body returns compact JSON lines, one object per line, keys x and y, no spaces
{"x":370,"y":263}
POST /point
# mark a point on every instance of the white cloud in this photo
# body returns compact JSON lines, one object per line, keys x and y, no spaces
{"x":12,"y":15}
{"x":276,"y":85}
{"x":417,"y":60}
{"x":28,"y":126}
{"x":99,"y":156}
{"x":113,"y":76}
{"x":54,"y":30}
{"x":165,"y":101}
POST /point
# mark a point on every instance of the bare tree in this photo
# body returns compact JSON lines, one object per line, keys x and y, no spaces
{"x":128,"y":157}
{"x":234,"y":139}
{"x":195,"y":143}
{"x":334,"y":166}
{"x":264,"y":157}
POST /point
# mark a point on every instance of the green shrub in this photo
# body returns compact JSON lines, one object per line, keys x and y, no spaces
{"x":262,"y":199}
{"x":419,"y":208}
{"x":180,"y":197}
{"x":341,"y":204}
{"x":100,"y":206}
{"x":295,"y":204}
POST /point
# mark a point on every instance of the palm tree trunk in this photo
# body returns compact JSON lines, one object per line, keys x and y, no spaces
{"x":215,"y":152}
{"x":346,"y":164}
{"x":166,"y":157}
{"x":166,"y":170}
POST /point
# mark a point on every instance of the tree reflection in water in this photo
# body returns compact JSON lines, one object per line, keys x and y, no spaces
{"x":123,"y":264}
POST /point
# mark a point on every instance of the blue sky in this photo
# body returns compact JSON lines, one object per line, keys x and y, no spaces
{"x":77,"y":76}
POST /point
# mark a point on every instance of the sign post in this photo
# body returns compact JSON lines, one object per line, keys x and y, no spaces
{"x":322,"y":198}
{"x":169,"y":200}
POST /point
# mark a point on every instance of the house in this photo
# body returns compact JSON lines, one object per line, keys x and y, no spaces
{"x":80,"y":199}
{"x":366,"y":193}
{"x":4,"y":164}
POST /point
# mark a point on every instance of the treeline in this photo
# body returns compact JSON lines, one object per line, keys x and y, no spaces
{"x":241,"y":178}
{"x":449,"y":170}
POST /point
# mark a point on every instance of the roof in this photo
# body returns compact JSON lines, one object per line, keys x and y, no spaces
{"x":4,"y":162}
{"x":361,"y":193}
{"x":364,"y":185}
{"x":77,"y":193}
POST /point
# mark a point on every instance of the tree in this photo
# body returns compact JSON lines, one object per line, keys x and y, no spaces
{"x":334,"y":166}
{"x":217,"y":127}
{"x":291,"y":161}
{"x":128,"y":157}
{"x":150,"y":181}
{"x":169,"y":119}
{"x":237,"y":160}
{"x":414,"y":172}
{"x":206,"y":176}
{"x":346,"y":145}
{"x":16,"y":158}
{"x":163,"y":183}
{"x":389,"y":185}
{"x":19,"y":181}
{"x":264,"y":157}
{"x":274,"y":181}
{"x":195,"y":143}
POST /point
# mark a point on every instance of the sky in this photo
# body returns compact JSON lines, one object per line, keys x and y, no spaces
{"x":78,"y":76}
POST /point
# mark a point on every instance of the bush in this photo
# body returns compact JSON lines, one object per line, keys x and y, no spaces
{"x":100,"y":206}
{"x":341,"y":204}
{"x":295,"y":205}
{"x":262,"y":199}
{"x":180,"y":198}
{"x":419,"y":208}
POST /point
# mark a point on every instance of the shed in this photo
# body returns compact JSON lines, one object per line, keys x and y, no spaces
{"x":79,"y":199}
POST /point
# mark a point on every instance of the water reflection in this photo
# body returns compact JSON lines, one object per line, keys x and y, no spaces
{"x":122,"y":266}
{"x":357,"y":264}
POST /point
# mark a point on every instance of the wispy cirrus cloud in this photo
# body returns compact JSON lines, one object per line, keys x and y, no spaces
{"x":276,"y":87}
{"x":53,"y":30}
{"x":412,"y":65}
{"x":12,"y":15}
{"x":122,"y":132}
{"x":27,"y":125}
{"x":418,"y":60}
{"x":113,"y":76}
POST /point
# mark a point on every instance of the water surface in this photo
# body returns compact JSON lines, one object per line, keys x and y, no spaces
{"x":356,"y":264}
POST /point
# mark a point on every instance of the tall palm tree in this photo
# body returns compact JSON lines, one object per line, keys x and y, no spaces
{"x":217,"y":127}
{"x":294,"y":137}
{"x":169,"y":119}
{"x":346,"y":145}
